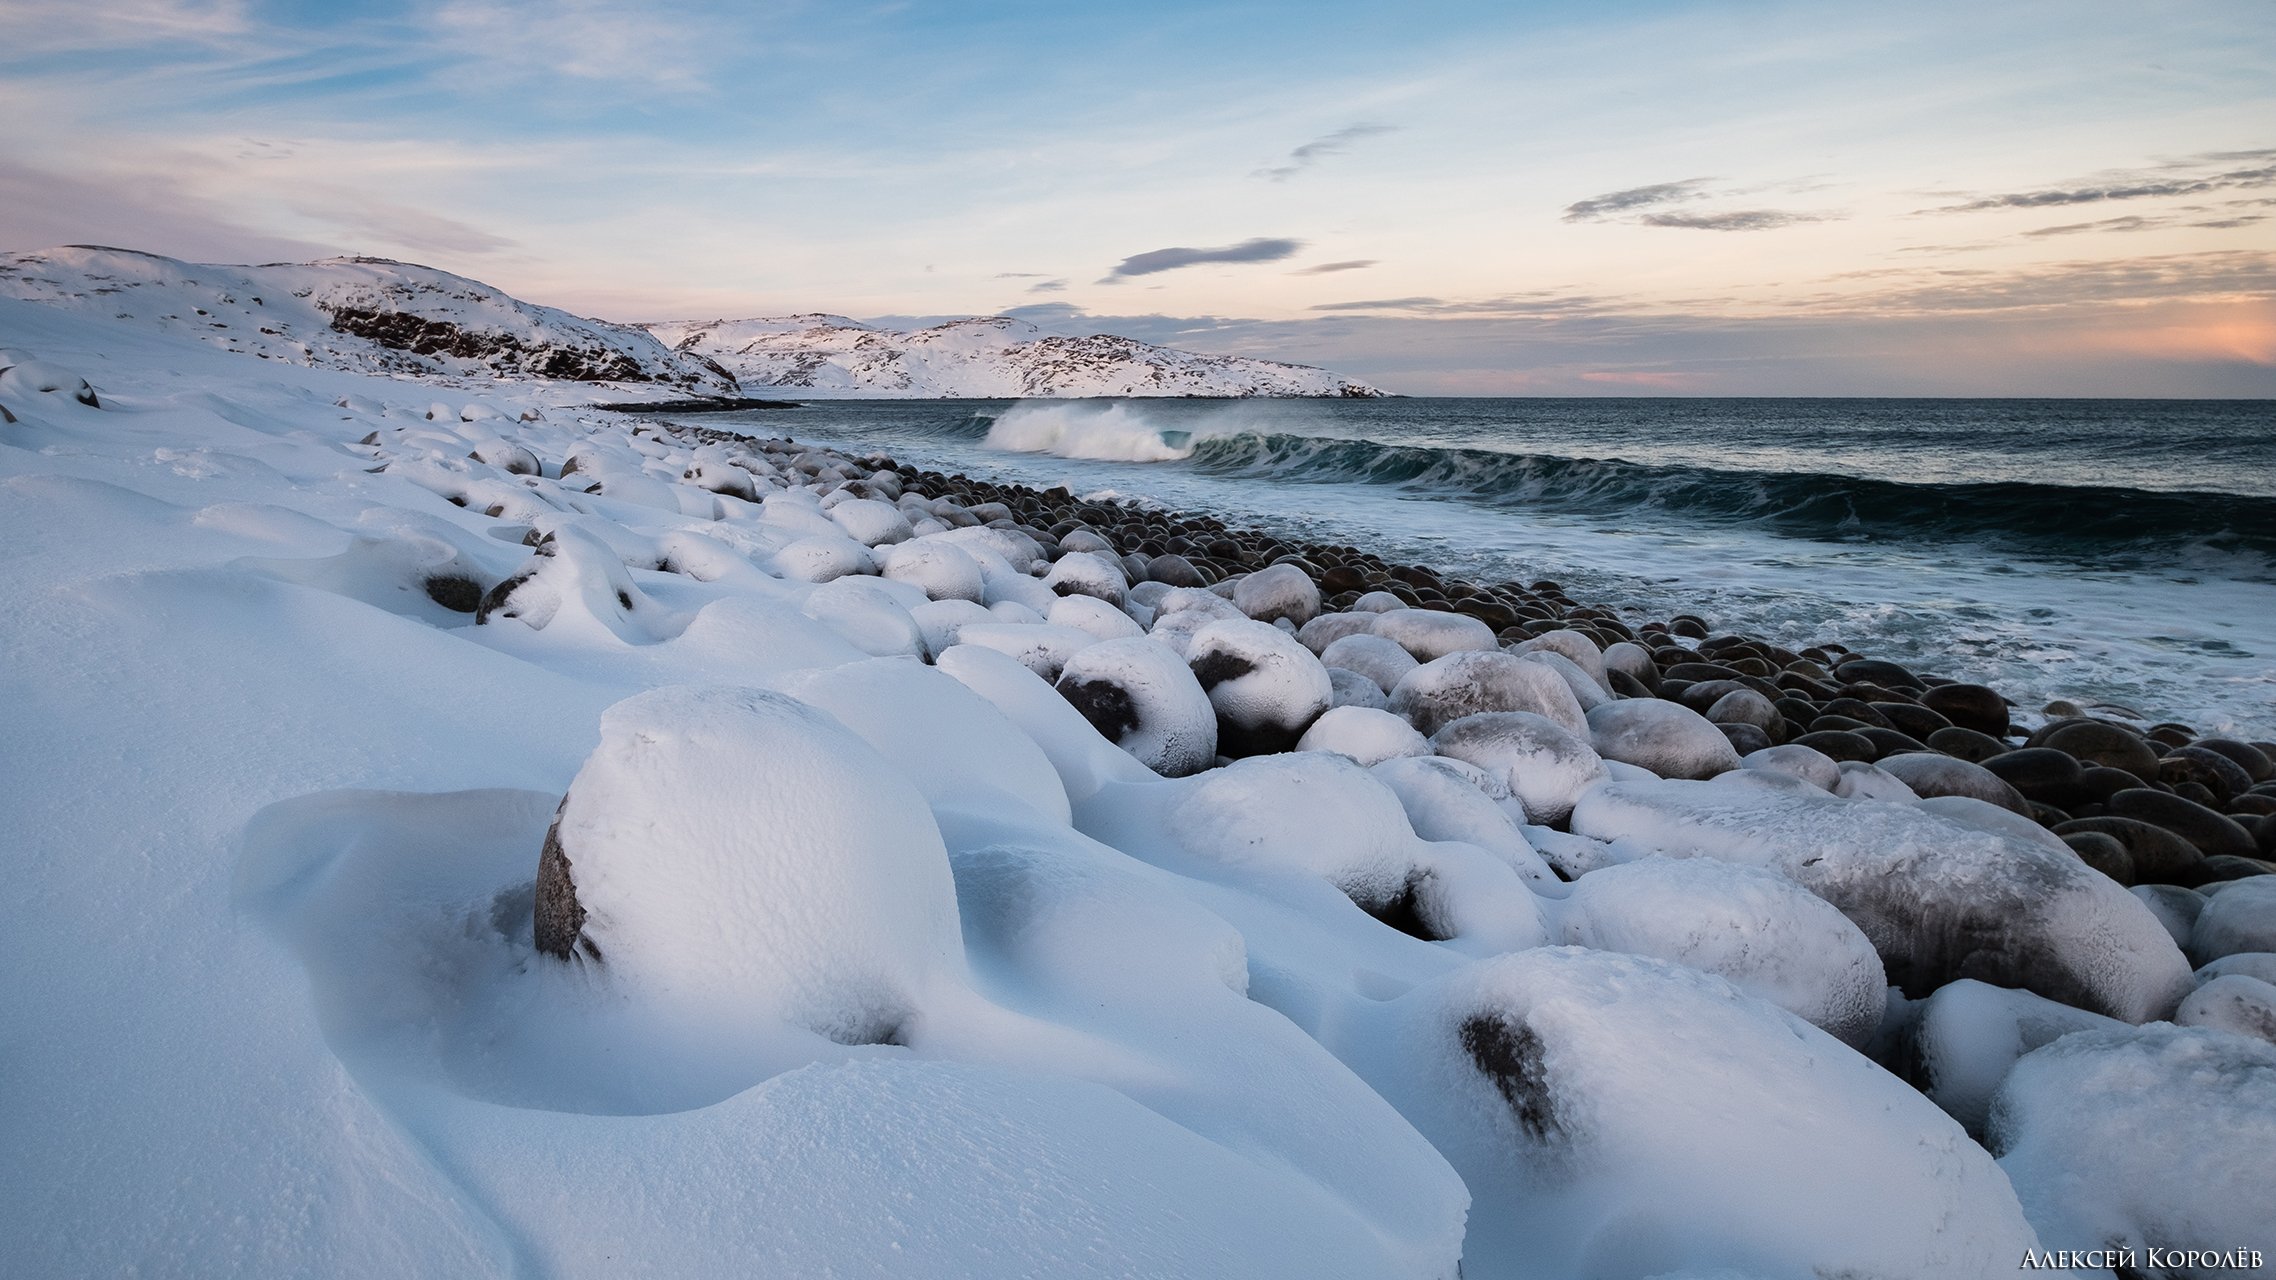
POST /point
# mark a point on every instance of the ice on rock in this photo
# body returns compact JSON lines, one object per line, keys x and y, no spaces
{"x":1370,"y":655}
{"x":1429,"y":635}
{"x":2252,"y":964}
{"x":1445,"y":804}
{"x":871,"y":522}
{"x":2240,"y":917}
{"x":575,"y":579}
{"x":1768,"y":936}
{"x":1444,"y":690}
{"x":1043,"y":647}
{"x":2175,"y":907}
{"x":1328,"y":628}
{"x":1276,"y":592}
{"x":1969,"y":1035}
{"x":823,"y":558}
{"x":1862,"y":781}
{"x":1351,"y":689}
{"x":1931,"y":774}
{"x":868,"y":615}
{"x":1573,"y":856}
{"x":736,"y":855}
{"x":1591,"y":1149}
{"x":2148,"y":1136}
{"x":1585,"y":688}
{"x":1321,"y":817}
{"x":1545,"y":766}
{"x":1940,"y":899}
{"x":1667,"y":738}
{"x":1142,"y":697}
{"x":941,"y":571}
{"x":1082,"y":573}
{"x":2232,"y":1002}
{"x":1266,"y":687}
{"x":1014,"y":611}
{"x":1572,"y":646}
{"x":1629,"y":658}
{"x":1365,"y":735}
{"x":1796,"y":761}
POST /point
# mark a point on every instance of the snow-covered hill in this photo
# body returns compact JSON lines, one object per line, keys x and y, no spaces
{"x":988,"y":357}
{"x":366,"y":314}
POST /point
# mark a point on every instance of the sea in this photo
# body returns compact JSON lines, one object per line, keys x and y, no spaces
{"x":2113,"y":553}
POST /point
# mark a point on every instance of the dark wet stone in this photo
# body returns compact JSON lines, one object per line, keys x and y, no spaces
{"x":2227,"y":866}
{"x":1747,"y":738}
{"x":1967,"y":744}
{"x":2094,"y":742}
{"x":1509,"y":1053}
{"x":1886,"y":674}
{"x":1861,"y":712}
{"x":1970,"y":706}
{"x":2102,"y":852}
{"x":2158,"y":855}
{"x":558,"y":919}
{"x":1839,"y":744}
{"x":1911,"y":719}
{"x":2255,"y":763}
{"x":2219,"y":775}
{"x":2042,"y":774}
{"x":455,"y":592}
{"x":2200,"y":826}
{"x":1888,"y":742}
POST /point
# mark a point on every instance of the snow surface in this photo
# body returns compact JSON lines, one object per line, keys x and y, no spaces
{"x":454,"y":831}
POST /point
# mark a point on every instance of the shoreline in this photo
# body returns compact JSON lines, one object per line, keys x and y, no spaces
{"x":1827,"y":697}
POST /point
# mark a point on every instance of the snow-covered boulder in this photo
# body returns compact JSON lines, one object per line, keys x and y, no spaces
{"x":1769,"y":936}
{"x":1667,"y":738}
{"x":1545,"y":766}
{"x":1940,"y":899}
{"x":1366,"y":735}
{"x":1429,"y":634}
{"x":736,"y":855}
{"x":2241,"y":917}
{"x":1276,"y":592}
{"x":2146,"y":1137}
{"x":1143,"y":698}
{"x":941,"y":571}
{"x":2233,"y":1002}
{"x":1590,"y":1149}
{"x":1380,"y":660}
{"x":1087,"y":574}
{"x":1266,"y":687}
{"x":1444,"y":690}
{"x":1968,"y":1035}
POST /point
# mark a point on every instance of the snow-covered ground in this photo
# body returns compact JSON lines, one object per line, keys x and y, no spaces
{"x":449,"y":831}
{"x":990,"y":357}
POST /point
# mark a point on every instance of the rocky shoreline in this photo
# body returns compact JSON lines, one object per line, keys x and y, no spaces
{"x":2151,"y":803}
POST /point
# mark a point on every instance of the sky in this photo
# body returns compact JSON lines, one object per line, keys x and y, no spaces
{"x":2011,"y":198}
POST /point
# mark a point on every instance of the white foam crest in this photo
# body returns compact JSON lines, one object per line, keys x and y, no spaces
{"x":1111,"y":432}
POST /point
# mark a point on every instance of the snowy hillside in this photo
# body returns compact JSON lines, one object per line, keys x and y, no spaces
{"x":352,"y":313}
{"x":987,"y":357}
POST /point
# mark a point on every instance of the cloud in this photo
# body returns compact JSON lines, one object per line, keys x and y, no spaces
{"x":1597,"y":208}
{"x":1383,"y":304}
{"x":1048,"y":286}
{"x":151,"y":211}
{"x":1309,"y":154}
{"x":2130,"y":223}
{"x":2212,"y":171}
{"x":1736,"y":220}
{"x":1157,"y":260}
{"x":1330,"y":268}
{"x":1019,"y":275}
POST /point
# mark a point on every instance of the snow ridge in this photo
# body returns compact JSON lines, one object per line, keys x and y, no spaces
{"x":988,"y":357}
{"x":362,"y":314}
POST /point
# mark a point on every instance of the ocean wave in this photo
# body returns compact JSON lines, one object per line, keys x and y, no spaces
{"x":2235,"y":532}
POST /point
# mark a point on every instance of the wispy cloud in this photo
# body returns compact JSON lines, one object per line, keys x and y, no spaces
{"x":2129,"y":223}
{"x":1304,"y":157}
{"x":1383,"y":304}
{"x":1735,"y":220}
{"x":1262,"y":249}
{"x":1614,"y":203}
{"x":2197,"y":175}
{"x":1330,"y":268}
{"x":399,"y":225}
{"x":1048,"y":286}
